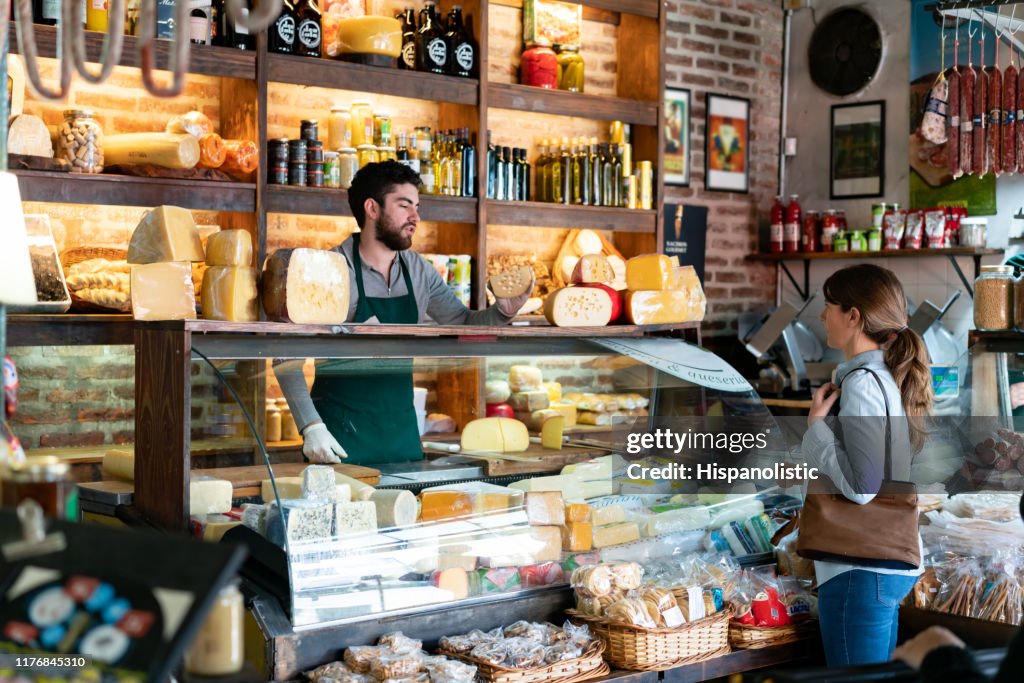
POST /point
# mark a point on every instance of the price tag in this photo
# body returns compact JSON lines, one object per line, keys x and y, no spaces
{"x":673,"y":617}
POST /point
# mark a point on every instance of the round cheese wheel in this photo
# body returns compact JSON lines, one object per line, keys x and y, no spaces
{"x":496,"y":391}
{"x":499,"y":410}
{"x":613,"y":294}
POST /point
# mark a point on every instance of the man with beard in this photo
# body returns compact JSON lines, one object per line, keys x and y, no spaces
{"x":365,"y":415}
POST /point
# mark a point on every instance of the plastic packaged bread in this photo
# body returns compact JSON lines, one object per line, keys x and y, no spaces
{"x":194,"y":123}
{"x":306,"y":286}
{"x":242,"y":157}
{"x":212,"y":152}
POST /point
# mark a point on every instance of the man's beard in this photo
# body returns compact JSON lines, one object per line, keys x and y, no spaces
{"x":390,"y":235}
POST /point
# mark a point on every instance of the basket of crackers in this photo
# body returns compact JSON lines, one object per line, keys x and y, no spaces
{"x":769,"y":610}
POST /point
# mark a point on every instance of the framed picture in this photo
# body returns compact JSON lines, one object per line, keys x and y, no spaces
{"x":857,"y":159}
{"x":677,"y":137}
{"x":727,"y":147}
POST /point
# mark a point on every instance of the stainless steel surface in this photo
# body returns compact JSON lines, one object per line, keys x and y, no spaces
{"x":103,"y":498}
{"x":765,"y":337}
{"x":443,"y":469}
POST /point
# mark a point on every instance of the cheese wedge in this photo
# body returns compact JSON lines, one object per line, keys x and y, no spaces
{"x":650,"y":271}
{"x":306,"y":286}
{"x":592,"y":268}
{"x":120,"y":463}
{"x":229,"y":293}
{"x":163,"y":291}
{"x":551,"y":430}
{"x":167,"y":233}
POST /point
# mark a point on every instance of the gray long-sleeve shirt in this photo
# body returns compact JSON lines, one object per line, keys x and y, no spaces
{"x":434,"y":299}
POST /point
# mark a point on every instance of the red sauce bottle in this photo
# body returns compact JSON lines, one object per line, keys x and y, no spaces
{"x":775,"y":230}
{"x":791,"y":226}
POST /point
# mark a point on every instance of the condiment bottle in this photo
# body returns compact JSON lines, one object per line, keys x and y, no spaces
{"x":791,"y":226}
{"x":829,"y":228}
{"x":775,"y":230}
{"x":307,"y":29}
{"x":407,"y":60}
{"x":809,"y":235}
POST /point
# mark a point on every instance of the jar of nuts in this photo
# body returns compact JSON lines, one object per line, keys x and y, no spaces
{"x":993,"y":298}
{"x":81,"y":141}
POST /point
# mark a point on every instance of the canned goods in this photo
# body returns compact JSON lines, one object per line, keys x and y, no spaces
{"x":308,"y":129}
{"x":460,"y":269}
{"x":382,"y":129}
{"x":297,"y":151}
{"x":278,"y":174}
{"x":297,"y":174}
{"x":315,"y":152}
{"x":630,"y":191}
{"x":646,"y":190}
{"x":278,"y":149}
{"x":315,"y":178}
{"x":332,"y":170}
{"x":877,"y":211}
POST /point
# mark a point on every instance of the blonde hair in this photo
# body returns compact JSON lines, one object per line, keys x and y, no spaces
{"x":877,"y":293}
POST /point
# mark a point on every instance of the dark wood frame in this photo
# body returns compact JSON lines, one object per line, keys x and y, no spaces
{"x":688,"y":96}
{"x":707,"y":144}
{"x":880,"y":104}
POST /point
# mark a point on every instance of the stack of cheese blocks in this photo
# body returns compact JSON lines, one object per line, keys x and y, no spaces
{"x":608,"y":409}
{"x":526,"y":399}
{"x":229,"y":281}
{"x":162,"y":249}
{"x":659,"y":291}
{"x":575,"y":527}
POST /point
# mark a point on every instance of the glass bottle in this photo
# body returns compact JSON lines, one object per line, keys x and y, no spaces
{"x":492,"y":160}
{"x":517,"y":178}
{"x":608,"y":193}
{"x":402,"y":151}
{"x":525,"y":173}
{"x":554,"y":175}
{"x":96,"y":15}
{"x":596,"y":166}
{"x":431,"y":47}
{"x":407,"y":60}
{"x":281,"y":35}
{"x":499,"y":172}
{"x":585,"y":170}
{"x":616,"y":177}
{"x":218,"y":647}
{"x":273,"y":430}
{"x":461,"y":48}
{"x":455,"y":166}
{"x":540,"y":171}
{"x":45,"y":12}
{"x":565,"y":168}
{"x":307,"y":29}
{"x":509,"y":182}
{"x":231,"y":34}
{"x":577,"y":173}
{"x":468,"y":183}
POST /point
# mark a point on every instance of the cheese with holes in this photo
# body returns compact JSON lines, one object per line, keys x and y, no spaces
{"x":167,"y":233}
{"x":529,"y":400}
{"x":163,"y":291}
{"x":360,"y":489}
{"x":306,"y":286}
{"x":229,"y":293}
{"x":500,"y":434}
{"x":577,"y":537}
{"x":395,"y":507}
{"x":592,"y":268}
{"x":229,"y":248}
{"x":350,"y":519}
{"x":438,"y":505}
{"x":546,"y":543}
{"x":496,"y":391}
{"x":524,"y":378}
{"x":652,"y":307}
{"x":545,"y":508}
{"x":566,"y":410}
{"x":209,"y":495}
{"x":578,"y":307}
{"x":287,"y":487}
{"x":650,"y":271}
{"x":554,"y":390}
{"x":512,"y":283}
{"x":608,"y":514}
{"x":120,"y":463}
{"x":552,"y":428}
{"x":577,"y":512}
{"x":616,"y":534}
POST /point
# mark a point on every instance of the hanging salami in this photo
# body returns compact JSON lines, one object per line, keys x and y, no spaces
{"x":995,"y":120}
{"x":979,"y":157}
{"x":1020,"y":117}
{"x":967,"y":79}
{"x":953,"y":124}
{"x":1009,"y":129}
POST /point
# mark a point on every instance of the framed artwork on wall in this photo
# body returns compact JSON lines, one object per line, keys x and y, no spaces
{"x":857,"y":157}
{"x":727,"y":144}
{"x":677,"y":137}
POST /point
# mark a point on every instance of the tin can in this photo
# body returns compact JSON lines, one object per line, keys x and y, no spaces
{"x":630,"y":191}
{"x":460,"y":270}
{"x":297,"y":151}
{"x":646,"y":182}
{"x":277,"y":174}
{"x":278,"y":149}
{"x":308,"y":129}
{"x":314,"y":152}
{"x":297,"y":174}
{"x":46,"y":480}
{"x":315,"y":175}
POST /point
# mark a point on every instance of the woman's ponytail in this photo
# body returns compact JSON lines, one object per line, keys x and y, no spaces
{"x":907,"y":360}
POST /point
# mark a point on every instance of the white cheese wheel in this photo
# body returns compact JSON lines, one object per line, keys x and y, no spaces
{"x":496,"y":391}
{"x":395,"y":507}
{"x":578,"y":307}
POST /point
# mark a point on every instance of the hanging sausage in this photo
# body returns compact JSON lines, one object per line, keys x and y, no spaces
{"x":995,"y":118}
{"x":979,"y":152}
{"x":1009,"y":130}
{"x":967,"y":79}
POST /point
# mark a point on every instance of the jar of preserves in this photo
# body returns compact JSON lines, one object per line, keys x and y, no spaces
{"x":339,"y":133}
{"x":218,"y":648}
{"x":297,"y":151}
{"x":44,"y":479}
{"x":829,"y":228}
{"x":993,"y":298}
{"x":80,"y":141}
{"x":1018,"y":303}
{"x":570,"y":68}
{"x":309,"y":129}
{"x":366,"y":154}
{"x":289,"y":431}
{"x":387,"y":154}
{"x":273,"y":429}
{"x":361,"y":124}
{"x":348,"y":162}
{"x":538,"y":66}
{"x":382,"y":129}
{"x":332,"y":170}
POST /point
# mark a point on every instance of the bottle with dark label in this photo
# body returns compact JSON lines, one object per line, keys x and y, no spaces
{"x":407,"y":60}
{"x":431,"y":46}
{"x":461,"y":48}
{"x":307,"y":29}
{"x":281,"y":36}
{"x":232,"y":34}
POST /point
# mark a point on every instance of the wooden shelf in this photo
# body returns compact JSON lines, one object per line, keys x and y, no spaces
{"x":122,"y":190}
{"x":642,"y":8}
{"x":28,"y":329}
{"x":327,"y":202}
{"x":326,"y":73}
{"x":890,"y":253}
{"x":547,"y":215}
{"x":561,"y":103}
{"x":208,"y":60}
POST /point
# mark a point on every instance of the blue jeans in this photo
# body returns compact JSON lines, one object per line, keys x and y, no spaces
{"x":859,"y":614}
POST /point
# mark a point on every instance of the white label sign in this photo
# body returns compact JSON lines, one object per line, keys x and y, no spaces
{"x":682,"y":360}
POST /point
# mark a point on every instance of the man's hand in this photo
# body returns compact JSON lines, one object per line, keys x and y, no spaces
{"x":510,"y":306}
{"x":917,"y":648}
{"x":1016,"y":395}
{"x":824,"y":398}
{"x":320,"y":447}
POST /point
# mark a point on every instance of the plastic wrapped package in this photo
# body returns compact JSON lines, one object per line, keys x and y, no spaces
{"x":360,"y":658}
{"x":332,"y":670}
{"x":400,"y":643}
{"x":241,"y":158}
{"x":627,"y":575}
{"x":592,"y":581}
{"x":194,"y":123}
{"x":631,"y":611}
{"x":654,"y":307}
{"x":560,"y":652}
{"x":306,"y":286}
{"x":524,"y":653}
{"x":444,"y":670}
{"x":463,"y":644}
{"x":393,"y":666}
{"x":660,"y":605}
{"x":229,"y":293}
{"x":491,"y":652}
{"x":229,"y":248}
{"x":212,"y":152}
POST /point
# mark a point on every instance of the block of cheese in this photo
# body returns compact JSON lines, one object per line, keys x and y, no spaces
{"x":360,"y":489}
{"x":438,"y":505}
{"x":120,"y":463}
{"x":598,"y":488}
{"x":500,"y":434}
{"x":395,"y":507}
{"x":546,"y":545}
{"x":307,"y":286}
{"x":568,"y":266}
{"x":592,"y":268}
{"x":578,"y":307}
{"x":577,"y":512}
{"x":587,"y":402}
{"x":454,"y":581}
{"x":218,"y":525}
{"x":554,"y":390}
{"x":552,"y":428}
{"x":545,"y":508}
{"x":524,"y":378}
{"x":457,"y":556}
{"x":299,"y":520}
{"x":598,"y":468}
{"x":229,"y":293}
{"x":167,"y":233}
{"x":209,"y":495}
{"x":287,"y":487}
{"x":577,"y":537}
{"x":355,"y":518}
{"x":163,"y":291}
{"x":318,"y":484}
{"x":496,"y":391}
{"x":619,"y":269}
{"x":512,"y":283}
{"x":255,"y":517}
{"x":587,"y":242}
{"x":650,"y":271}
{"x":616,"y":534}
{"x":487,"y":501}
{"x":607,"y":514}
{"x":530,"y":400}
{"x":589,"y":417}
{"x":566,"y":410}
{"x":229,"y":248}
{"x":652,"y":307}
{"x":28,"y":135}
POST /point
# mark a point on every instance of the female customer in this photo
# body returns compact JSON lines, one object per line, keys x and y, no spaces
{"x":883,"y":381}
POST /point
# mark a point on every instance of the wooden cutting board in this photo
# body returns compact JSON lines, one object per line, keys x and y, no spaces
{"x":247,"y":480}
{"x":551,"y":460}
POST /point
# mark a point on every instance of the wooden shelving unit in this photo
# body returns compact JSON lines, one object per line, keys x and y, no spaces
{"x":326,"y":202}
{"x":561,"y":103}
{"x":545,"y":215}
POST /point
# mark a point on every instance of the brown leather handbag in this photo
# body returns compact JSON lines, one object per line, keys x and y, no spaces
{"x":881,"y":534}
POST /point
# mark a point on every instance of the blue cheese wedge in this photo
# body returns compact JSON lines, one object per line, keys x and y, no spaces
{"x":300,"y":519}
{"x":255,"y":517}
{"x":318,"y":483}
{"x":355,"y":518}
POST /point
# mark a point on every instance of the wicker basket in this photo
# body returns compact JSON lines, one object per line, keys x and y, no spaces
{"x":748,"y":637}
{"x":79,"y":254}
{"x":589,"y":665}
{"x":658,"y":649}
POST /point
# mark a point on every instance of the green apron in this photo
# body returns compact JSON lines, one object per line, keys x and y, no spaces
{"x":372,"y":415}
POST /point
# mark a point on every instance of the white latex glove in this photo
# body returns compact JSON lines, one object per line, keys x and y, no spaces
{"x":511,"y":305}
{"x":319,"y":446}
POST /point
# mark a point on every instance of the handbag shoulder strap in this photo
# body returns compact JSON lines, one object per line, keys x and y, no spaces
{"x":888,"y":426}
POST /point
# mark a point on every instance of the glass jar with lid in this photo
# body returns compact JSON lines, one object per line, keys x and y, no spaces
{"x":273,"y":428}
{"x":387,"y":154}
{"x":382,"y":129}
{"x":44,"y":479}
{"x":366,"y":154}
{"x":80,"y":141}
{"x":339,"y":132}
{"x":361,"y":124}
{"x":332,"y":170}
{"x":218,"y":647}
{"x":538,"y":66}
{"x":570,"y":68}
{"x":993,"y":298}
{"x":349,"y":164}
